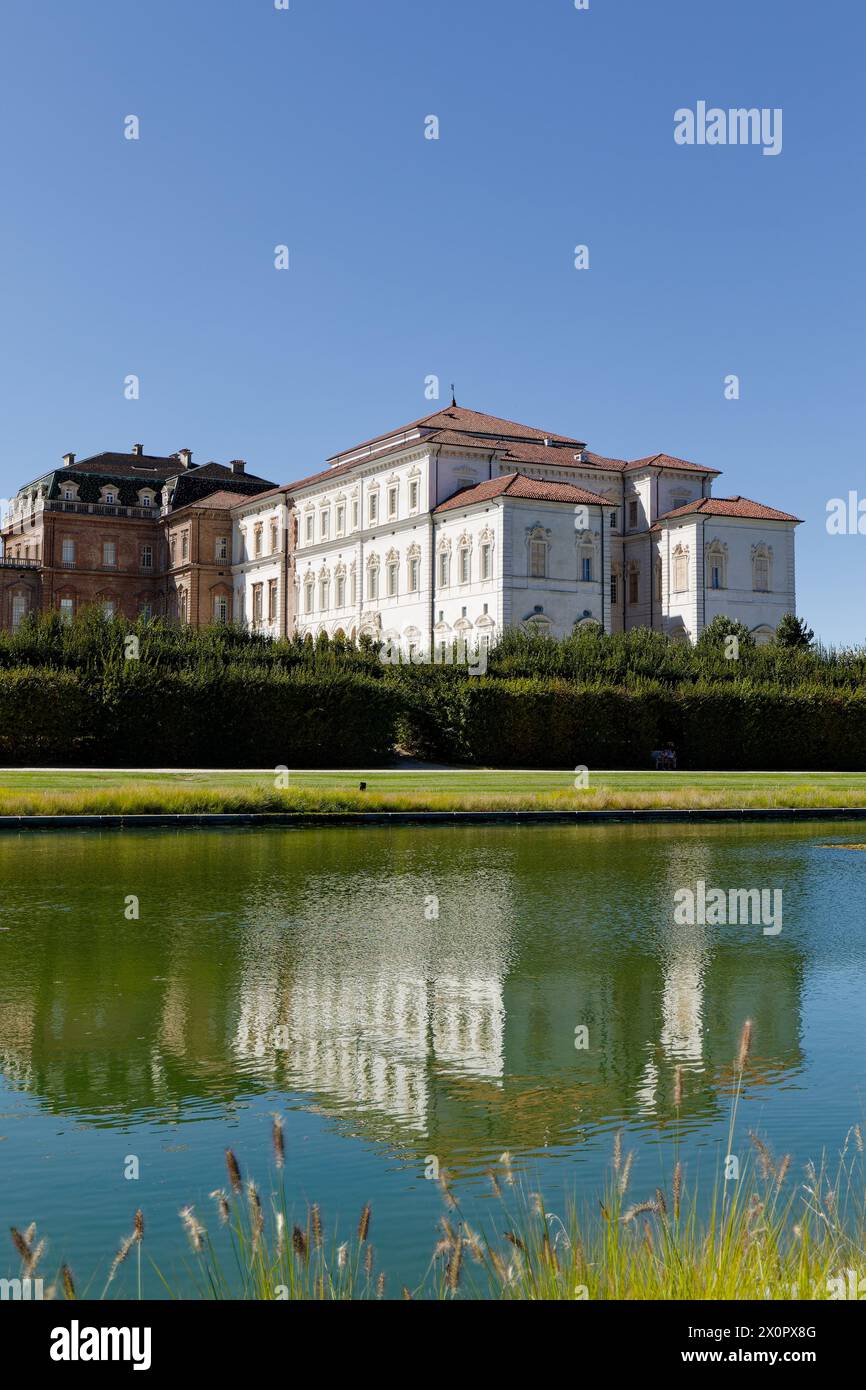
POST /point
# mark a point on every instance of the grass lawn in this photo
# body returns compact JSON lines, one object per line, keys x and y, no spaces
{"x":45,"y":791}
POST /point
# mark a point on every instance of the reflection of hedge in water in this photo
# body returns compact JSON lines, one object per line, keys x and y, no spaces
{"x":223,"y":697}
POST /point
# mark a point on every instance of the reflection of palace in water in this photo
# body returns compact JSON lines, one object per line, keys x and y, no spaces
{"x":445,"y":1035}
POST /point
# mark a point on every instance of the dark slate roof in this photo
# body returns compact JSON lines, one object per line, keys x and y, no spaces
{"x":136,"y":465}
{"x":195,"y":483}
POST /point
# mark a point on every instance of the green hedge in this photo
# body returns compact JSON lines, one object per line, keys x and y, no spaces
{"x":556,"y":723}
{"x":144,"y":713}
{"x":137,"y":715}
{"x":45,"y":717}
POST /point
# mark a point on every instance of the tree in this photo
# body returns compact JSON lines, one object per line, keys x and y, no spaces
{"x":793,"y":632}
{"x":715,"y":634}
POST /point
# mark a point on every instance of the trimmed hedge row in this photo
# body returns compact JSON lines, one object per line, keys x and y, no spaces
{"x":137,"y":715}
{"x":554,"y":723}
{"x":129,"y":713}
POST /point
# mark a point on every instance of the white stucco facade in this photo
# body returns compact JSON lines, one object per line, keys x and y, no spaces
{"x":260,"y":565}
{"x":464,"y":525}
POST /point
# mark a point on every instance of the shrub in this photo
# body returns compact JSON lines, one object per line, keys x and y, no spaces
{"x":45,"y":717}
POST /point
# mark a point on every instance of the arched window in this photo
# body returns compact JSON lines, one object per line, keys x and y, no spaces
{"x":762,"y":569}
{"x":681,"y":569}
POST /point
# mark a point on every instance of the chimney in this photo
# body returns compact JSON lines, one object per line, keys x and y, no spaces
{"x":138,"y":450}
{"x":238,"y":465}
{"x":68,"y":460}
{"x":185,"y":456}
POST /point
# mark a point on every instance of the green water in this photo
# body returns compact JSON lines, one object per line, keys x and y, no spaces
{"x":307,"y":972}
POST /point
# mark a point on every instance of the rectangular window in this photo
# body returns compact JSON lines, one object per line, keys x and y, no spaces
{"x":146,"y":557}
{"x":486,"y":561}
{"x":632,"y":515}
{"x":372,"y":582}
{"x":353,"y":585}
{"x":586,"y":568}
{"x":413,"y":496}
{"x":716,"y":578}
{"x":444,"y":568}
{"x":633,"y":590}
{"x":272,"y":600}
{"x":184,"y":545}
{"x":67,"y":609}
{"x":324,"y":525}
{"x":613,"y":598}
{"x":465,"y":563}
{"x":257,"y":603}
{"x":341,"y":518}
{"x":258,"y":541}
{"x":172,"y":545}
{"x":392,"y":580}
{"x":308,"y":528}
{"x":220,"y":608}
{"x":392,"y":501}
{"x":308,"y":596}
{"x":613,"y":520}
{"x":537,"y":560}
{"x":19,"y":609}
{"x":67,"y":557}
{"x":373,"y":508}
{"x":340,"y":592}
{"x":354,"y":513}
{"x":274,"y":538}
{"x":109,"y":554}
{"x":109,"y":608}
{"x":221,"y":550}
{"x":414,"y":575}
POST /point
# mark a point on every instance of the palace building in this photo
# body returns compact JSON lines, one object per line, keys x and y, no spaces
{"x":136,"y":533}
{"x":455,"y":527}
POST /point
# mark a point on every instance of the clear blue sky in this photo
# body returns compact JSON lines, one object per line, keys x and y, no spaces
{"x":411,"y":257}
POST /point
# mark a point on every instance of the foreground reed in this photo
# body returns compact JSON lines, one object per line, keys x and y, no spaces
{"x":766,"y":1236}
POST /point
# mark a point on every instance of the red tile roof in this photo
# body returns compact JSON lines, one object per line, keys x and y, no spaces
{"x":474,"y":430}
{"x":222,"y":499}
{"x":730,"y":506}
{"x":475,"y":422}
{"x":668,"y":461}
{"x":518,"y":485}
